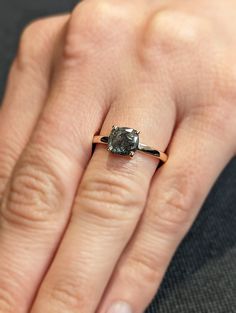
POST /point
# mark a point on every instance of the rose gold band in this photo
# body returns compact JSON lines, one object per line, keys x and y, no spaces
{"x":141,"y":147}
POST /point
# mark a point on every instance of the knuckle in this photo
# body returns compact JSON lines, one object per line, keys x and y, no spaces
{"x":91,"y":27}
{"x":141,"y":269}
{"x":29,"y":53}
{"x":65,"y":293}
{"x":170,"y":32}
{"x":5,"y":302}
{"x":108,"y":14}
{"x":33,"y":195}
{"x":176,"y":203}
{"x":111,"y":197}
{"x":9,"y":299}
{"x":58,"y":127}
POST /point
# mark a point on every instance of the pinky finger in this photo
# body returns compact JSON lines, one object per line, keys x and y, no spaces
{"x":178,"y":190}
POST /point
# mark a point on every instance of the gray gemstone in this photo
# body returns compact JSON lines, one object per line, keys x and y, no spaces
{"x":123,"y":140}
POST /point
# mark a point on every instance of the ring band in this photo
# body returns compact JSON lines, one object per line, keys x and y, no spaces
{"x":125,"y":141}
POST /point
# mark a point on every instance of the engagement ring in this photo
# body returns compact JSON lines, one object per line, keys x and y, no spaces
{"x":125,"y":141}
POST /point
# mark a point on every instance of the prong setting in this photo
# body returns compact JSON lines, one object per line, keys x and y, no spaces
{"x":123,"y":141}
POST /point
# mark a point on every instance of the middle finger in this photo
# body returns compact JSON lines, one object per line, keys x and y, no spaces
{"x":37,"y":202}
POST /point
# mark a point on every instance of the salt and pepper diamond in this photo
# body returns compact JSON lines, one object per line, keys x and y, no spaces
{"x":123,"y":140}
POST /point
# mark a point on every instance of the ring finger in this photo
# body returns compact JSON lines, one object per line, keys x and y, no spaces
{"x":108,"y":206}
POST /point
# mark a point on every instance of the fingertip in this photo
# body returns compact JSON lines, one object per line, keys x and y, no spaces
{"x":120,"y":307}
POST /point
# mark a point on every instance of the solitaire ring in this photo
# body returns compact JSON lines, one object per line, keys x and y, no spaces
{"x":125,"y":141}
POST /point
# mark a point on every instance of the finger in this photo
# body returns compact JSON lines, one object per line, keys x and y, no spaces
{"x":108,"y":206}
{"x":26,"y":90}
{"x":37,"y":201}
{"x":178,"y":190}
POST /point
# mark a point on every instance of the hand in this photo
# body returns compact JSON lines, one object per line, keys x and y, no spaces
{"x":81,"y":233}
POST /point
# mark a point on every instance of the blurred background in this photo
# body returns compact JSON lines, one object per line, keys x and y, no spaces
{"x":202,"y":276}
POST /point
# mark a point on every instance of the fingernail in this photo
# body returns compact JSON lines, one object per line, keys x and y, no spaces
{"x":120,"y":307}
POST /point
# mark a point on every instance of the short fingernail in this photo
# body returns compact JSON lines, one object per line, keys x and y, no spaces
{"x":120,"y":307}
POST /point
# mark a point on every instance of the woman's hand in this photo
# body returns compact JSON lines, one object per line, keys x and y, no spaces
{"x":80,"y":234}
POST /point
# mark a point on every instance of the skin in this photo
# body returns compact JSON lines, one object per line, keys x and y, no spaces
{"x":80,"y":232}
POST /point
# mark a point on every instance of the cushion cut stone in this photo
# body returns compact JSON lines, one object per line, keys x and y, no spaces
{"x":123,"y":140}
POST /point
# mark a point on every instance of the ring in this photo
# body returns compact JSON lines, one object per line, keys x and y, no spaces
{"x":125,"y":141}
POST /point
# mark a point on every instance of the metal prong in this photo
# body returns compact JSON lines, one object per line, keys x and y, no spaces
{"x":131,"y":154}
{"x":138,"y":132}
{"x":114,"y":127}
